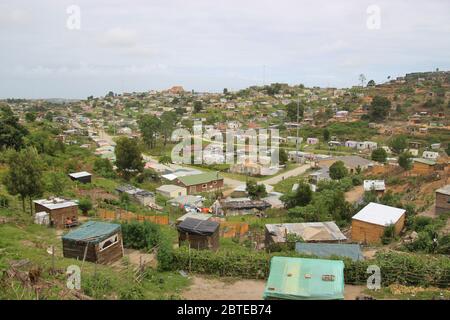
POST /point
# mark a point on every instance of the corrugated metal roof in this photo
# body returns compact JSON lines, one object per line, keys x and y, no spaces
{"x":199,"y":227}
{"x":92,"y":231}
{"x":326,"y":250}
{"x":309,"y":231}
{"x":199,"y":178}
{"x":305,"y":279}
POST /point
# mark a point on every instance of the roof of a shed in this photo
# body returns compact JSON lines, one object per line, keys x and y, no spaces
{"x":199,"y":227}
{"x":379,"y":214}
{"x":305,"y":279}
{"x":92,"y":231}
{"x":200,"y":178}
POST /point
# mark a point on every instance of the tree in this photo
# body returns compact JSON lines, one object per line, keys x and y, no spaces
{"x":379,"y":155}
{"x":283,"y":156}
{"x":371,"y":83}
{"x":301,"y":197}
{"x":326,"y":135}
{"x":362,"y":79}
{"x":104,"y":168}
{"x":85,"y":205}
{"x":225,"y":91}
{"x":30,"y":116}
{"x":24,"y":176}
{"x":57,"y":182}
{"x":256,"y":191}
{"x":379,"y":108}
{"x":198,"y":106}
{"x":398,"y":144}
{"x":291,"y":111}
{"x":129,"y":160}
{"x":168,"y":121}
{"x":338,"y":170}
{"x":11,"y":131}
{"x":404,"y":160}
{"x":149,"y":126}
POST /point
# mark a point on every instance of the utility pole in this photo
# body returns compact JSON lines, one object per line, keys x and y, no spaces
{"x":296,"y":140}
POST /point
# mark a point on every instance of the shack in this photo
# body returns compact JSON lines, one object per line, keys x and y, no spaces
{"x":99,"y":242}
{"x":201,"y":234}
{"x":368,"y":225}
{"x":63,"y":213}
{"x":243,"y":206}
{"x":305,"y":279}
{"x":327,"y":232}
{"x":82,"y":177}
{"x":443,"y":199}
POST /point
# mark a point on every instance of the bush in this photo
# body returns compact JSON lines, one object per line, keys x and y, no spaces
{"x":104,"y":168}
{"x":4,"y":201}
{"x":140,"y":235}
{"x":85,"y":205}
{"x":388,"y":234}
{"x":97,"y":285}
{"x":165,"y":254}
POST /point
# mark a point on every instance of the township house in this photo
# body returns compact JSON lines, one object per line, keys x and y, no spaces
{"x":94,"y":241}
{"x":63,"y":213}
{"x":144,"y":197}
{"x":171,"y":191}
{"x":204,"y":182}
{"x":315,"y":232}
{"x":375,"y":185}
{"x":423,"y":166}
{"x":443,"y":200}
{"x":352,"y":163}
{"x":200,"y":234}
{"x":82,"y":177}
{"x":368,"y":224}
{"x":239,"y":206}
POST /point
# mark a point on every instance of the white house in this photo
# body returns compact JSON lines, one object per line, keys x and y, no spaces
{"x":374,"y":185}
{"x":430,"y":155}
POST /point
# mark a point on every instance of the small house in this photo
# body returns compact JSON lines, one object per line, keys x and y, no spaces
{"x":305,"y":279}
{"x":171,"y":191}
{"x":312,"y":141}
{"x":443,"y":200}
{"x":204,"y":182}
{"x":200,"y":234}
{"x":82,"y":177}
{"x":325,"y":232}
{"x":368,"y":225}
{"x":63,"y":213}
{"x":94,"y":241}
{"x":374,"y":185}
{"x":242,"y":206}
{"x":423,"y":166}
{"x":430,"y":155}
{"x":143,"y":197}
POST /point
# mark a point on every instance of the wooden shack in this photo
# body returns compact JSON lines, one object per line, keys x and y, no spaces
{"x":99,"y":242}
{"x":200,"y":234}
{"x":423,"y":166}
{"x":368,"y":225}
{"x":443,"y":199}
{"x":82,"y":177}
{"x":63,"y":213}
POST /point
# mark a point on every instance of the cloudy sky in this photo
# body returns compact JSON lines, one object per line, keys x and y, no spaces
{"x":206,"y":45}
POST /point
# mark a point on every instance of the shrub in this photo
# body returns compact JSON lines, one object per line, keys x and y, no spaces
{"x":140,"y":235}
{"x":85,"y":205}
{"x":388,"y":234}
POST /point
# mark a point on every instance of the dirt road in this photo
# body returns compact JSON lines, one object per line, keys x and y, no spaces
{"x":226,"y":289}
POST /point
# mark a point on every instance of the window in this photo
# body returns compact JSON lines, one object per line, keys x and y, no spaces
{"x":105,"y":244}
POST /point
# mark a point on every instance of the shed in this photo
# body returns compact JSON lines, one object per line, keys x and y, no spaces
{"x":327,"y":250}
{"x":100,"y":242}
{"x":201,"y":234}
{"x":305,"y":279}
{"x":368,"y":224}
{"x":443,"y":199}
{"x":83,"y":177}
{"x":171,"y":191}
{"x":63,"y":213}
{"x":423,"y":166}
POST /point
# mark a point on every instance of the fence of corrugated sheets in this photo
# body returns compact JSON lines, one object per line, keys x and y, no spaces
{"x":122,"y":215}
{"x":230,"y":229}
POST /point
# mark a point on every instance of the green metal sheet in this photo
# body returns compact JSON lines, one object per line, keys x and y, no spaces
{"x":305,"y":279}
{"x":92,"y":231}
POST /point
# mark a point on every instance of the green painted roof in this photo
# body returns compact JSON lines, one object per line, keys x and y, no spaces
{"x":92,"y":231}
{"x":425,"y":161}
{"x":199,"y":178}
{"x":303,"y":279}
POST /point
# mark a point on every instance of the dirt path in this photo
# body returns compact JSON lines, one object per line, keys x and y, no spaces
{"x":355,"y":194}
{"x":219,"y":289}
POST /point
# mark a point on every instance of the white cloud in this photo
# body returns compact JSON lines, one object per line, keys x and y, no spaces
{"x":119,"y":37}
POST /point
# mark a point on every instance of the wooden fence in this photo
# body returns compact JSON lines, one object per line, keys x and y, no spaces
{"x":122,"y":215}
{"x":233,"y":229}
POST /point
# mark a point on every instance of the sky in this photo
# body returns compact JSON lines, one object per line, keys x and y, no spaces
{"x":208,"y":45}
